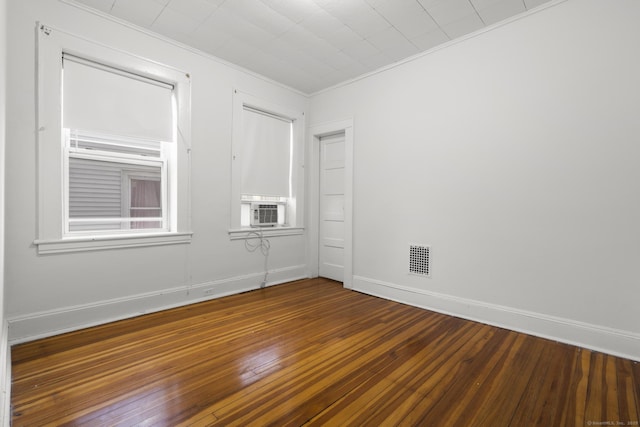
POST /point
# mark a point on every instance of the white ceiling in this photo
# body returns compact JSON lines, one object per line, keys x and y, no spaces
{"x":313,"y":44}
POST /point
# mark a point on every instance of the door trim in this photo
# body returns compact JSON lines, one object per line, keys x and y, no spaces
{"x":313,"y":190}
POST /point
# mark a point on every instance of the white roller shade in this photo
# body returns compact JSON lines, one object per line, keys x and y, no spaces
{"x":104,"y":99}
{"x":266,"y":154}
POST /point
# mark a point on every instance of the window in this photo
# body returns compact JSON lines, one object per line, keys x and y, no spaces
{"x":267,"y":163}
{"x":266,"y":151}
{"x":113,"y":149}
{"x":117,"y":180}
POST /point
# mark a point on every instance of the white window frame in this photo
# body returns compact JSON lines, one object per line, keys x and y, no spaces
{"x":294,"y":204}
{"x":52,"y":232}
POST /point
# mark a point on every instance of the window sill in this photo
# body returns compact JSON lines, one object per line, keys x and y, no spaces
{"x":97,"y":243}
{"x":248,"y":232}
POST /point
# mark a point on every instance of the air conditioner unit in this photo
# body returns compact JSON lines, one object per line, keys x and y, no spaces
{"x":264,"y":215}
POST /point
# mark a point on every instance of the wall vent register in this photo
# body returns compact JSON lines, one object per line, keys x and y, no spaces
{"x":420,"y":260}
{"x":264,"y":215}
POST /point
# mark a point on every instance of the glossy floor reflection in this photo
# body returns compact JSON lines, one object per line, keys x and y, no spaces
{"x":311,"y":352}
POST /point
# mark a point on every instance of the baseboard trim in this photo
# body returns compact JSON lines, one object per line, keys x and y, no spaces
{"x":48,"y":323}
{"x":616,"y":342}
{"x":5,"y":376}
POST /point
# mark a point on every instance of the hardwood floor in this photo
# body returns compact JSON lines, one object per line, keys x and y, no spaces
{"x":313,"y":353}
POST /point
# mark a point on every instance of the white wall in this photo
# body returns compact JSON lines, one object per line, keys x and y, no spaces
{"x":515,"y":154}
{"x":5,"y":376}
{"x":51,"y":293}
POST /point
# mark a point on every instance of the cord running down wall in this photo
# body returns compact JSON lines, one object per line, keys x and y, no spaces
{"x":264,"y":245}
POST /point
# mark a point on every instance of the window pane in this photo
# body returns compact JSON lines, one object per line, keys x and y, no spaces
{"x":145,"y":202}
{"x":102,"y":197}
{"x":94,"y":193}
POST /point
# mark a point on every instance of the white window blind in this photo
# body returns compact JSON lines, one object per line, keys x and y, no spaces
{"x":100,"y":98}
{"x":266,"y":154}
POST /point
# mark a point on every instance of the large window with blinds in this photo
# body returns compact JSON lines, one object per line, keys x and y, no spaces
{"x":118,"y":132}
{"x":266,"y":150}
{"x":114,"y":147}
{"x":267,"y":161}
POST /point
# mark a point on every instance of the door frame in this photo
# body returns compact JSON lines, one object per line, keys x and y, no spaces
{"x":313,"y":190}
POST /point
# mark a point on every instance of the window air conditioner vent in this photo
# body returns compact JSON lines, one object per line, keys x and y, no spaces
{"x":264,"y":215}
{"x":420,"y":260}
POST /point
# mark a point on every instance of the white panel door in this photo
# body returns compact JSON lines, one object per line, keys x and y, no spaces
{"x":331,"y":239}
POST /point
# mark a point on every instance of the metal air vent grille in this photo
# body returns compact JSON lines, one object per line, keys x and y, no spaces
{"x":420,"y":260}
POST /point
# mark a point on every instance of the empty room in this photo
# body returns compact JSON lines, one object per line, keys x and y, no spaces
{"x":319,"y":212}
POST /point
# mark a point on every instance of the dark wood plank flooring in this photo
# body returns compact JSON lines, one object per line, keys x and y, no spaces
{"x":313,"y":353}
